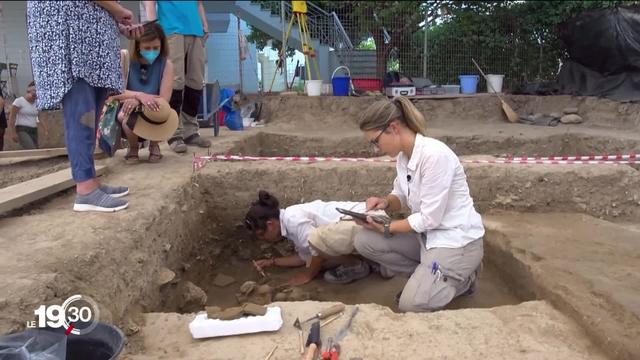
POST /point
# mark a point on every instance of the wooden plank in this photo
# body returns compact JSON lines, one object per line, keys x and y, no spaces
{"x":36,"y":152}
{"x":18,"y":195}
{"x":448,"y":96}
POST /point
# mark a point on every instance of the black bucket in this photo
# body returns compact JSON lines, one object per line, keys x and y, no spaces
{"x":104,"y":342}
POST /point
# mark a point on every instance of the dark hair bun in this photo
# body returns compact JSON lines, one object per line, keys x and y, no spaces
{"x":268,"y":200}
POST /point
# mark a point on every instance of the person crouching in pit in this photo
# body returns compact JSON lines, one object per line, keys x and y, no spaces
{"x":322,"y":241}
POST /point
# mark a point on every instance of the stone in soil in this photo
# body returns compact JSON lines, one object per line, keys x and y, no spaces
{"x":213,"y":312}
{"x":193,"y":297}
{"x":571,"y":119}
{"x":254,"y":309}
{"x":232,"y":313}
{"x":165,"y":276}
{"x":223,"y":280}
{"x":247,"y":287}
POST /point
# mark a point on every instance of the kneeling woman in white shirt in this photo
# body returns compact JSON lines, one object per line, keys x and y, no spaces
{"x":439,"y":246}
{"x":321,"y":240}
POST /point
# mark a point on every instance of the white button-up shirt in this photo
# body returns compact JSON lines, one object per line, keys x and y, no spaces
{"x":297,"y":221}
{"x":434,"y":186}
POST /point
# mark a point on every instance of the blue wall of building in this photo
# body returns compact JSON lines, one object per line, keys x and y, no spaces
{"x":222,"y":55}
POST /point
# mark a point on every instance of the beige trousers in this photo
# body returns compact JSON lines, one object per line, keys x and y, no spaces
{"x":334,"y":239}
{"x":430,"y":287}
{"x":187,"y":53}
{"x":337,"y":239}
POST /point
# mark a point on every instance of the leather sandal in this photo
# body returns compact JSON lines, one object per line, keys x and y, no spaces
{"x":154,"y":153}
{"x":131,"y":159}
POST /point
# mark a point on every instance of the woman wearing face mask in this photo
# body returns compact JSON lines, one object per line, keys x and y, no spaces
{"x":150,"y":77}
{"x":440,"y":244}
{"x":23,"y":119}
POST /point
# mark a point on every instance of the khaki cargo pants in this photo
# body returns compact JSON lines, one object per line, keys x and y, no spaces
{"x":337,"y":239}
{"x":187,"y":53}
{"x":430,"y":287}
{"x":334,"y":239}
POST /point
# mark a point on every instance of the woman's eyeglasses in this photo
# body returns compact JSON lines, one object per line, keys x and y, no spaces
{"x":376,"y":140}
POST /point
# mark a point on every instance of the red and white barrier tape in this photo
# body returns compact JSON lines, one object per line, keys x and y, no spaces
{"x":551,"y":162}
{"x":617,"y":157}
{"x":200,"y":161}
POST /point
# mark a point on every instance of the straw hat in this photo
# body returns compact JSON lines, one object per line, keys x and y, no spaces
{"x":156,"y":125}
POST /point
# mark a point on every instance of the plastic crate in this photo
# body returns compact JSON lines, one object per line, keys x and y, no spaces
{"x":441,"y":90}
{"x":367,"y":84}
{"x":435,"y":90}
{"x":451,"y":89}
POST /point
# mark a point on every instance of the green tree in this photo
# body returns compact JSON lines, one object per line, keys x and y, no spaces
{"x":524,"y":32}
{"x":261,"y":39}
{"x":386,"y":22}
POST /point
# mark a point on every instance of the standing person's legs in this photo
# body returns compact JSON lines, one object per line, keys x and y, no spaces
{"x":177,"y":54}
{"x":26,"y":138}
{"x":194,"y":81}
{"x":2,"y":139}
{"x":442,"y":275}
{"x":81,"y":112}
{"x":399,"y":255}
{"x":33,"y":134}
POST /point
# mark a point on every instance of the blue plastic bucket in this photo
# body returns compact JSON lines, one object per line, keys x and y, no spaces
{"x":469,"y":84}
{"x":341,"y":84}
{"x":233,"y":121}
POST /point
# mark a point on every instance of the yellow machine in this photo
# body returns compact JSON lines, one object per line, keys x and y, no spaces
{"x":300,"y":15}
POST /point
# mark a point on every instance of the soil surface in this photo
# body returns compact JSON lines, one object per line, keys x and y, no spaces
{"x":531,"y":330}
{"x":20,"y":169}
{"x":492,"y":290}
{"x":559,"y":234}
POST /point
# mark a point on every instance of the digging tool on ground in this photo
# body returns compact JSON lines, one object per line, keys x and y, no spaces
{"x":328,"y":321}
{"x":271,"y":353}
{"x":508,"y":111}
{"x":313,"y":342}
{"x":343,"y":332}
{"x":332,"y":352}
{"x":298,"y":326}
{"x":335,"y":309}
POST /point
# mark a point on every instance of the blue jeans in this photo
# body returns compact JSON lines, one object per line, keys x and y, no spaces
{"x":82,"y":105}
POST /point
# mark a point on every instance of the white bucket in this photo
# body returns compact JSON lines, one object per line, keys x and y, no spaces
{"x":496,"y":83}
{"x":314,"y":87}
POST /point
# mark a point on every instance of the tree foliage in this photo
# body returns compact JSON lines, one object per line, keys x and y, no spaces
{"x":517,"y":38}
{"x":261,"y":39}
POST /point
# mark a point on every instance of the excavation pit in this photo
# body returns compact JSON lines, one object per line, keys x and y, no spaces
{"x":544,"y":291}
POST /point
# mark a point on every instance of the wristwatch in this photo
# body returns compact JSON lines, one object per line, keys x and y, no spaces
{"x":387,"y":230}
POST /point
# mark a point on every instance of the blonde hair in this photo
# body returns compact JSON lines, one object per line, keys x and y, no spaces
{"x":383,"y":111}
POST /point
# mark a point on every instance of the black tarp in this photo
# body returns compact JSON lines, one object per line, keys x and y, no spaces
{"x":604,"y":54}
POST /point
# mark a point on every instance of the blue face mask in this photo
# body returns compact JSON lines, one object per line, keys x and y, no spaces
{"x":150,"y":55}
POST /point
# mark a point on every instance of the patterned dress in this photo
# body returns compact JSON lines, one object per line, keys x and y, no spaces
{"x":71,"y":40}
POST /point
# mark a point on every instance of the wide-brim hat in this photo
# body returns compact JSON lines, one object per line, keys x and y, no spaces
{"x":156,"y":125}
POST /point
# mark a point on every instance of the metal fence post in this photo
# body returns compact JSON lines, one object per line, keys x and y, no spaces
{"x":284,"y":46}
{"x":424,"y":45}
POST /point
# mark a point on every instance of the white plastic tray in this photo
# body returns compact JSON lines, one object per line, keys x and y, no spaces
{"x":202,"y":327}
